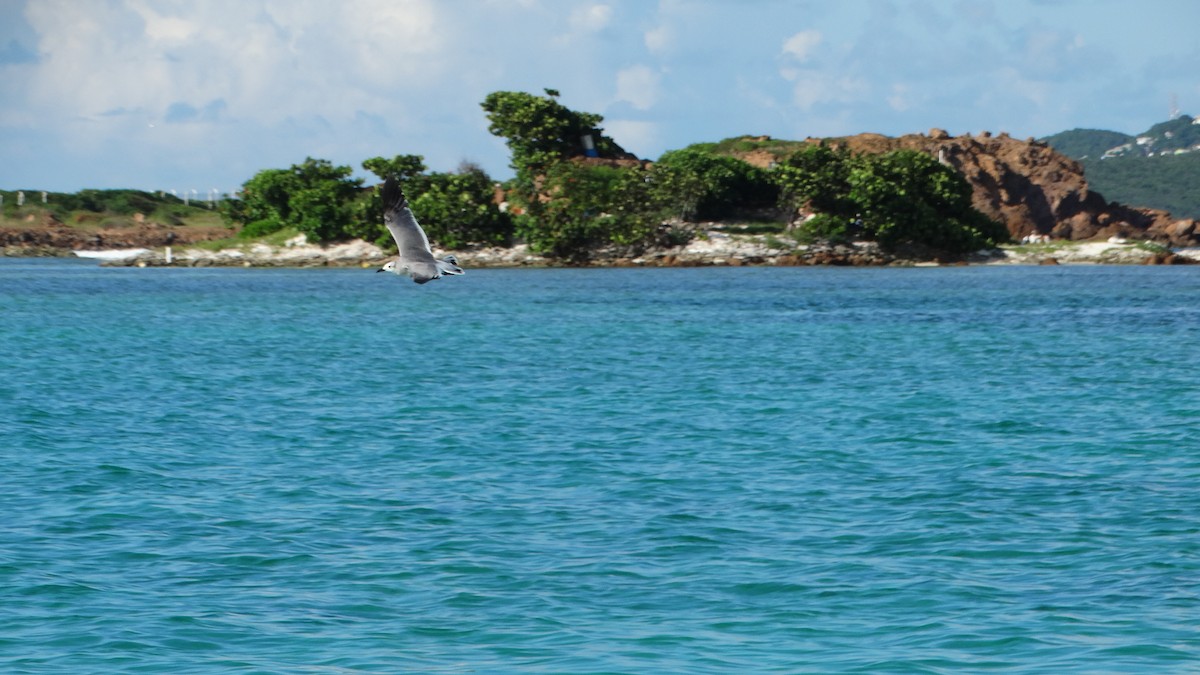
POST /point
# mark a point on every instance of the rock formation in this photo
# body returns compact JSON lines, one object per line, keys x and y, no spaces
{"x":1033,"y":189}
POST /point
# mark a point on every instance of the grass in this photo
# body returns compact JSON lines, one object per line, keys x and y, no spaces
{"x":274,"y":239}
{"x":1114,"y":254}
{"x":1152,"y":247}
{"x":743,"y":144}
{"x":1043,"y":248}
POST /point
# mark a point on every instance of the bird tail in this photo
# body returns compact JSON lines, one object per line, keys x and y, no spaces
{"x":449,"y":265}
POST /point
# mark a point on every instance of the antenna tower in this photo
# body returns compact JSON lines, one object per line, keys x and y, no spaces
{"x":1174,"y":106}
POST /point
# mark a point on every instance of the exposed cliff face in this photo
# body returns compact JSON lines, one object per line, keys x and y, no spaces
{"x":1033,"y":189}
{"x":1028,"y":186}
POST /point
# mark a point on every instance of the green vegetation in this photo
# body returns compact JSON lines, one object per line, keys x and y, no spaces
{"x":1181,"y":133}
{"x":561,"y":202}
{"x":576,"y":191}
{"x":314,"y":197}
{"x":1171,"y":183}
{"x":1145,"y":172}
{"x":458,"y":209}
{"x":572,"y":206}
{"x":900,"y":199}
{"x":106,"y":208}
{"x":588,"y":207}
{"x":541,"y":131}
{"x":1087,"y":143}
{"x":698,"y":185}
{"x":744,"y":145}
{"x":324,"y":203}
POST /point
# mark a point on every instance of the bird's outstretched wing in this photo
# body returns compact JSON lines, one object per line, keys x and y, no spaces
{"x":411,"y":241}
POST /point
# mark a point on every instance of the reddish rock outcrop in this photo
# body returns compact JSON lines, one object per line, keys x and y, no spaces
{"x":1031,"y":188}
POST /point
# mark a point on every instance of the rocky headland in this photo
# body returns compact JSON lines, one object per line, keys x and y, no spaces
{"x":1034,"y":190}
{"x":1040,"y":195}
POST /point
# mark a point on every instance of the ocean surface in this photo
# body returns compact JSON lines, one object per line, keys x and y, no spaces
{"x":721,"y":470}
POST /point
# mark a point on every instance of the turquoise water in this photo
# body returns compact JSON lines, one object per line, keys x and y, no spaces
{"x":599,"y":471}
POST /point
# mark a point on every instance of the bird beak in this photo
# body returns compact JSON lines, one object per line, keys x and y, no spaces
{"x":378,"y":270}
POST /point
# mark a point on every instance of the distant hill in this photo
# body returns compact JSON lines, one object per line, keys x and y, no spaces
{"x":1171,"y":183}
{"x":1087,"y":143}
{"x":1159,"y":168}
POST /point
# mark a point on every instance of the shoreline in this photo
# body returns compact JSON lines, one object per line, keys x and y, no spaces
{"x":711,"y":248}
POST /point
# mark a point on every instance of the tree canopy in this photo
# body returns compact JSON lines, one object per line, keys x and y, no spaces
{"x":540,"y":131}
{"x":313,"y":197}
{"x":573,"y":196}
{"x":901,"y":198}
{"x":326,"y":204}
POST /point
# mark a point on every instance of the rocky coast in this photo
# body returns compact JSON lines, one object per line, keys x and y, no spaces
{"x":709,"y":248}
{"x":1038,"y":194}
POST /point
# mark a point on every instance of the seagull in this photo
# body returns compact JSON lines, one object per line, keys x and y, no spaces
{"x":416,"y":259}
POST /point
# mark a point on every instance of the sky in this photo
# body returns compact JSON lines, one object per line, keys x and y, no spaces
{"x":201,"y":95}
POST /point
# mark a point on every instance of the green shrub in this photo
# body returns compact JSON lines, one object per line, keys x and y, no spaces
{"x":458,"y":209}
{"x":260,"y":228}
{"x":898,"y":199}
{"x":699,"y":185}
{"x":590,"y":206}
{"x":315,"y":197}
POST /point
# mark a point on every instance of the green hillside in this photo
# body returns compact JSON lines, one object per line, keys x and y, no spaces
{"x":1171,"y":183}
{"x":1159,"y":168}
{"x":1181,"y":133}
{"x":1086,"y":143}
{"x":104,"y":208}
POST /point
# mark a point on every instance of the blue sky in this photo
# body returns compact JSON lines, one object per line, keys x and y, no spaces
{"x":177,"y":94}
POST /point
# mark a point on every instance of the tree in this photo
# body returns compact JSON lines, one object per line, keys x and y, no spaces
{"x":908,"y":197}
{"x":697,"y":184}
{"x":454,"y":209}
{"x":589,"y":206}
{"x":569,"y":207}
{"x":815,"y":178}
{"x":901,"y":198}
{"x":314,"y":197}
{"x":540,"y":130}
{"x":400,"y":167}
{"x":367,"y":211}
{"x":458,"y":208}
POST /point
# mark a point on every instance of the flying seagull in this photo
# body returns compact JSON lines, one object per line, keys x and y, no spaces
{"x":416,"y":259}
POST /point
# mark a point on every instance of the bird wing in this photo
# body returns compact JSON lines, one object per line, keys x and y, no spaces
{"x":411,"y":242}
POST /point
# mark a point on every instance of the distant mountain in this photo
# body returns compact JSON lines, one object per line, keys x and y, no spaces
{"x":1159,"y":168}
{"x":1171,"y":183}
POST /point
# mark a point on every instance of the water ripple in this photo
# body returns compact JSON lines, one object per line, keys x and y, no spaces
{"x":619,"y":471}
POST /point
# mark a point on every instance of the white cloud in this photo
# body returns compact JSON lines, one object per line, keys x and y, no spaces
{"x":639,"y":137}
{"x":639,"y":85}
{"x":160,"y":28}
{"x":802,"y":45}
{"x":590,"y":18}
{"x":264,"y":60}
{"x":234,"y":86}
{"x":900,"y":99}
{"x":815,"y":87}
{"x":658,"y":40}
{"x":389,"y":45}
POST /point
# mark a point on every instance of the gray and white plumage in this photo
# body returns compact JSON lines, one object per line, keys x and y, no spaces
{"x":416,"y":258}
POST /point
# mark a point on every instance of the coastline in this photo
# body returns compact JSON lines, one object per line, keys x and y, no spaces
{"x":711,"y":248}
